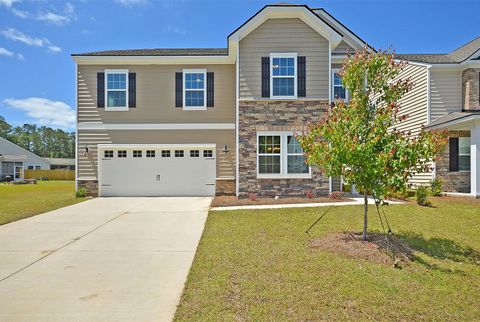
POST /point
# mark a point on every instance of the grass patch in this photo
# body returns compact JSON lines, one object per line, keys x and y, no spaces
{"x":256,"y":265}
{"x":22,"y":201}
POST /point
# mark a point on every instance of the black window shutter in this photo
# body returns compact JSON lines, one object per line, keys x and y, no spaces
{"x":178,"y":89}
{"x":100,"y":89}
{"x":210,"y":89}
{"x":132,"y":90}
{"x":265,"y":76}
{"x":453,"y":154}
{"x":301,"y":76}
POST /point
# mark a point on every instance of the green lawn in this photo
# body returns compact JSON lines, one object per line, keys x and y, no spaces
{"x":255,"y":266}
{"x":22,"y":201}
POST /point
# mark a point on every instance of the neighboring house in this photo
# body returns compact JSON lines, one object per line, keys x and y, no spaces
{"x":15,"y":159}
{"x":154,"y":122}
{"x":61,"y":163}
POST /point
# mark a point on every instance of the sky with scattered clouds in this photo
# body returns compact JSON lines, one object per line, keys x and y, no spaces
{"x":37,"y":37}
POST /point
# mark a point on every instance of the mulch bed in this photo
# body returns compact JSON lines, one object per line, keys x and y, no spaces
{"x":376,"y":249}
{"x":226,"y":201}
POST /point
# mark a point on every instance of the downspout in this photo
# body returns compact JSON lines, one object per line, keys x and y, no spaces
{"x":76,"y":126}
{"x":429,"y":113}
{"x":237,"y":97}
{"x":330,"y":188}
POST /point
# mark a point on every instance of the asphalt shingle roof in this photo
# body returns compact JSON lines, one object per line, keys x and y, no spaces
{"x":160,"y":52}
{"x":457,"y":56}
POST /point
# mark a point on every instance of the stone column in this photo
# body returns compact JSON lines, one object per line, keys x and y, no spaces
{"x":475,"y":160}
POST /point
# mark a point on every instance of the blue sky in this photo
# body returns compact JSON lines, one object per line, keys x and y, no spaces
{"x":38,"y":36}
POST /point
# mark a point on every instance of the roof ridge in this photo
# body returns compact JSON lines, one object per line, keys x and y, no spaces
{"x":465,"y":44}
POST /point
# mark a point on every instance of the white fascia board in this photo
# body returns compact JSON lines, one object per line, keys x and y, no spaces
{"x":153,"y":60}
{"x":302,"y":13}
{"x":157,"y":126}
{"x":459,"y":124}
{"x":411,"y":62}
{"x":352,"y":39}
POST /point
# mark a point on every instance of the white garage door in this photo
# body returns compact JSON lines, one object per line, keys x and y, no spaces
{"x":156,"y":170}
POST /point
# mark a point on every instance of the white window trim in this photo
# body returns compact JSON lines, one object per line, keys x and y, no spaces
{"x":196,"y":71}
{"x":462,"y":154}
{"x":284,"y":55}
{"x":116,"y":71}
{"x":347,"y":96}
{"x":283,"y":158}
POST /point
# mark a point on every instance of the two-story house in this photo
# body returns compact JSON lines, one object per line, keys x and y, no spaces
{"x":193,"y":122}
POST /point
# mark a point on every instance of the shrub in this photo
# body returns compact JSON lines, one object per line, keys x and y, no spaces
{"x":436,"y":186}
{"x":81,"y":192}
{"x":252,"y":196}
{"x":421,"y":195}
{"x":335,"y":195}
{"x":310,"y":195}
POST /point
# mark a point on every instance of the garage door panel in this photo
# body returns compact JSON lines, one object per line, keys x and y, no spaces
{"x":157,"y":176}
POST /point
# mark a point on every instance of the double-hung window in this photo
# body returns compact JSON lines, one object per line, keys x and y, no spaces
{"x":338,"y":91}
{"x":269,"y":154}
{"x":464,"y":154}
{"x":194,"y":89}
{"x":279,"y":155}
{"x":116,"y":88}
{"x":283,"y":75}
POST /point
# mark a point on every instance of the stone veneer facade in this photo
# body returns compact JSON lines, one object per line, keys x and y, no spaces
{"x":452,"y":181}
{"x":276,"y":115}
{"x":471,"y":89}
{"x":91,"y":186}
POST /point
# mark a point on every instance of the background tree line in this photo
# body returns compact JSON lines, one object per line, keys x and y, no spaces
{"x":43,"y":141}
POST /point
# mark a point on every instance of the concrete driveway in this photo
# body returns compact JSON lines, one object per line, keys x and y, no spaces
{"x":106,"y":259}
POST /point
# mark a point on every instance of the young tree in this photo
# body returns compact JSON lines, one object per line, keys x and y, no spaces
{"x":360,"y":141}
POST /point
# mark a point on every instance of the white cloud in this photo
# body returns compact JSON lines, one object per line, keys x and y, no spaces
{"x":53,"y":18}
{"x":8,"y":53}
{"x":174,"y":30}
{"x":54,"y":49}
{"x":21,"y":13}
{"x":8,"y":3}
{"x":17,"y":35}
{"x":58,"y":18}
{"x":45,"y":111}
{"x":131,"y":3}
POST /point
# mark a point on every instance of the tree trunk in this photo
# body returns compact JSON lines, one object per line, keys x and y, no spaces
{"x":365,"y":212}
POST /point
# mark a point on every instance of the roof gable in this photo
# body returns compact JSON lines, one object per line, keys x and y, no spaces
{"x":301,"y":12}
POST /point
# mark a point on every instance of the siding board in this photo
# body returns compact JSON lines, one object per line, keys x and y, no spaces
{"x":445,"y":92}
{"x":155,"y":96}
{"x":283,"y":35}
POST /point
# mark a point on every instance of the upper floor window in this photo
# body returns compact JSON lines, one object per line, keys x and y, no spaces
{"x":283,"y":75}
{"x":116,"y":88}
{"x":339,"y":92}
{"x":194,"y":89}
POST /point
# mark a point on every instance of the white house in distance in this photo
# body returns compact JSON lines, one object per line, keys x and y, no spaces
{"x":15,"y":159}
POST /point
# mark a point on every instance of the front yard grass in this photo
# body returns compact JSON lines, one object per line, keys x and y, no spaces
{"x":254,"y":265}
{"x":22,"y":201}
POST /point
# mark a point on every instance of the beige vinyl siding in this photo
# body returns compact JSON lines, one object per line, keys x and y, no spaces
{"x":283,"y":36}
{"x":343,"y":48}
{"x":415,"y":102}
{"x":156,"y":96}
{"x":415,"y":105}
{"x":87,"y":164}
{"x":445,"y":92}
